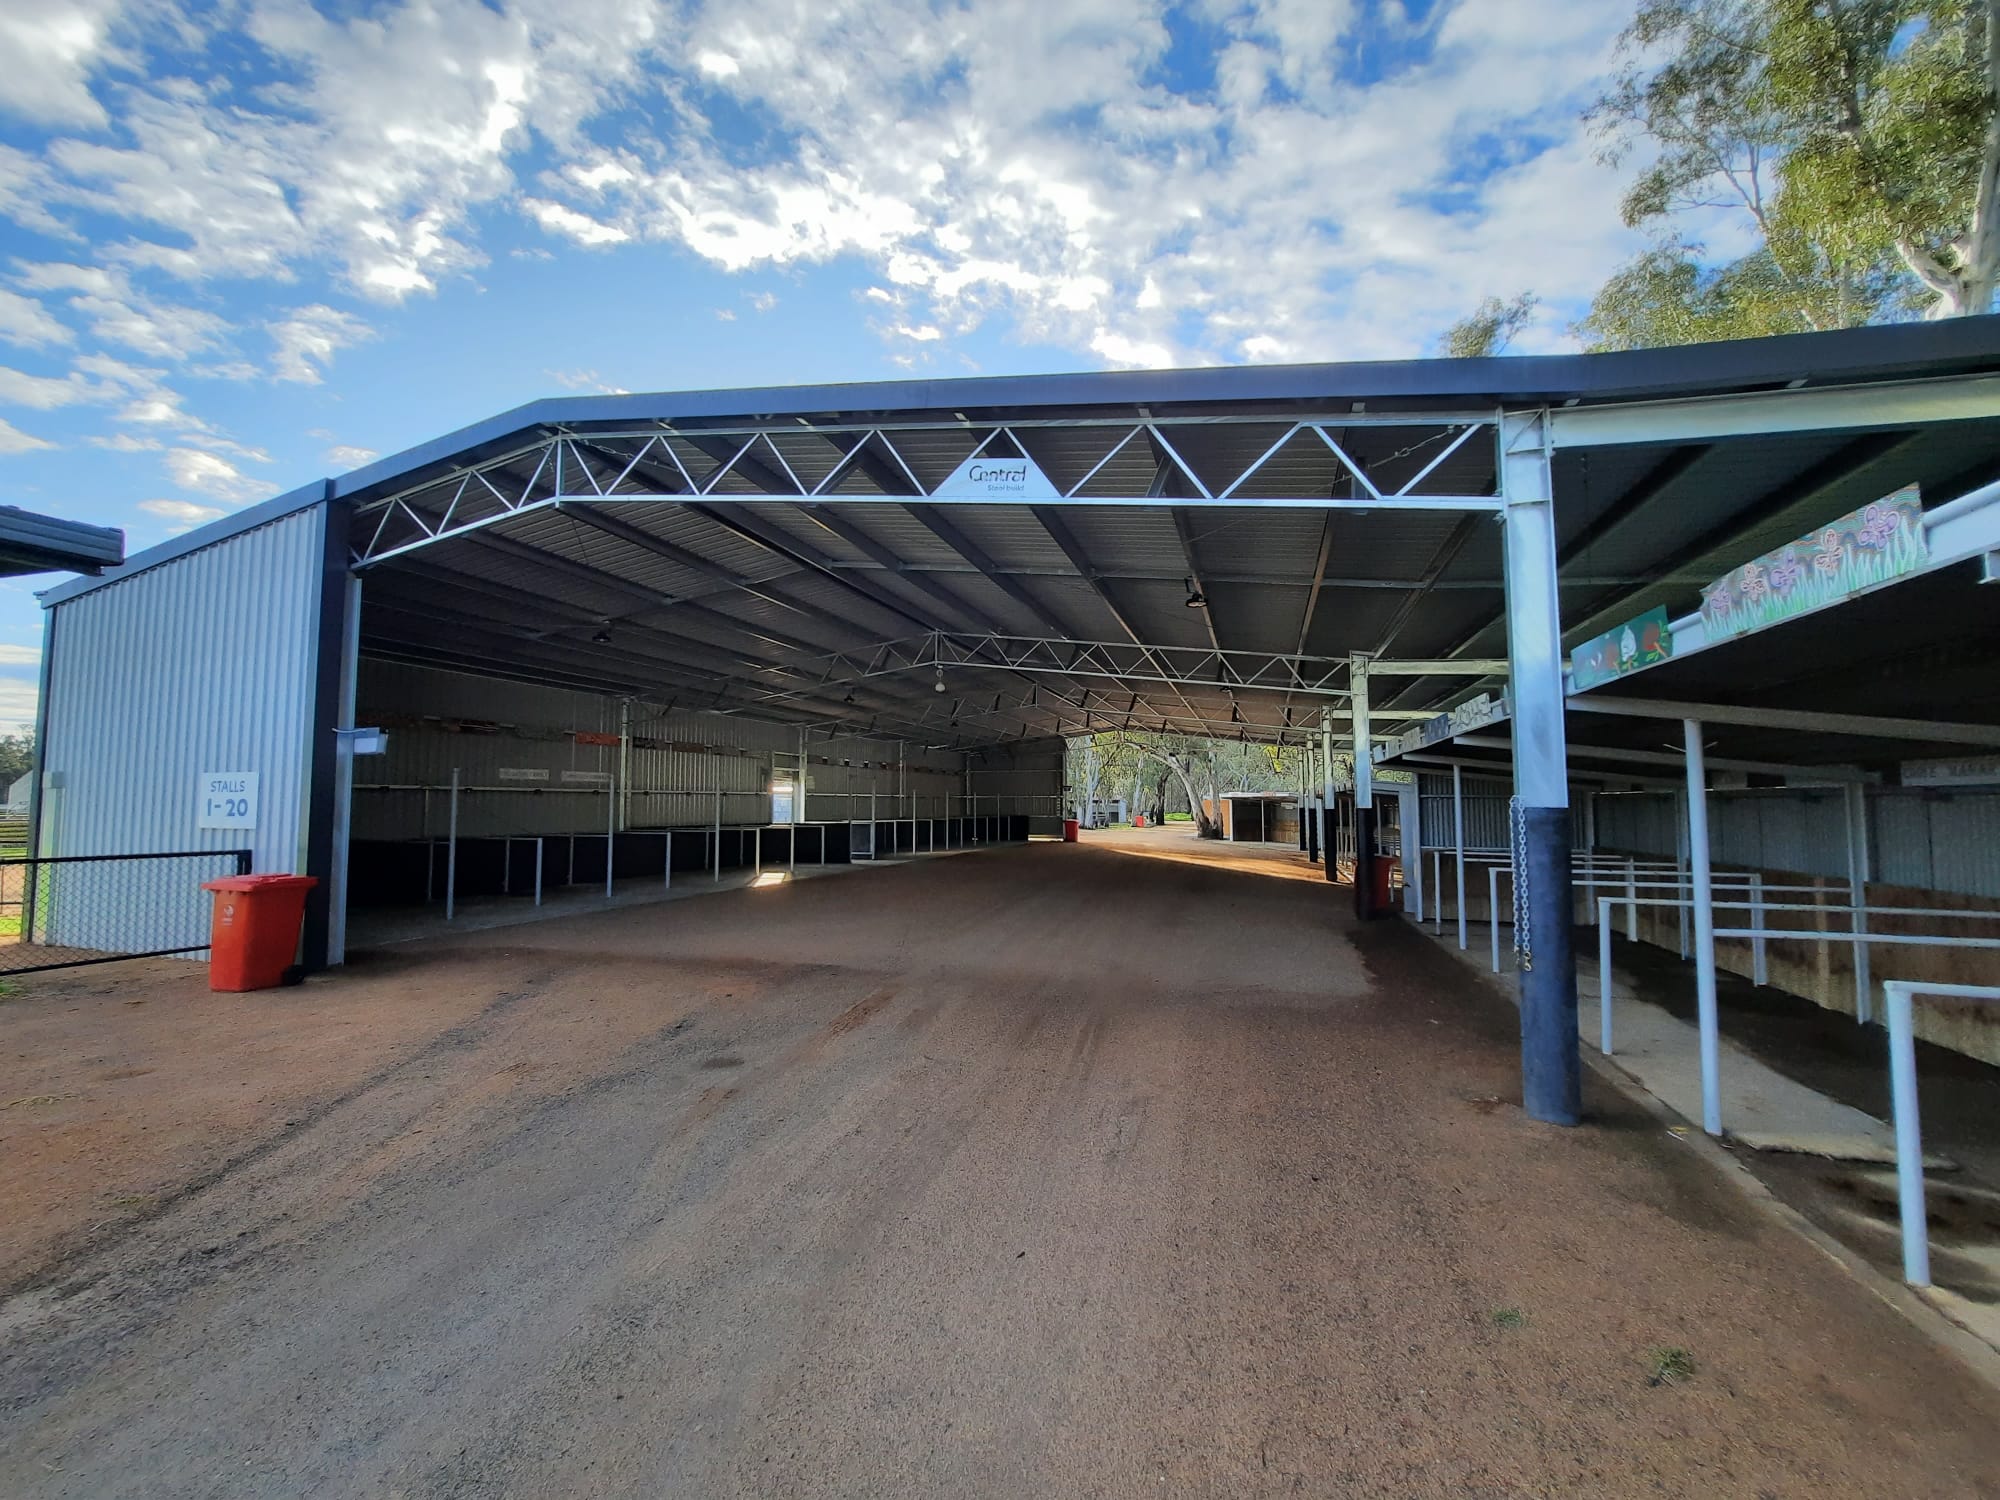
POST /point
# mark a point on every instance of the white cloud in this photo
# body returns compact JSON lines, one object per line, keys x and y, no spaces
{"x":181,"y":515}
{"x":124,"y":442}
{"x":20,"y":656}
{"x":18,"y":696}
{"x":585,"y":230}
{"x":1017,"y":164}
{"x":28,"y":324}
{"x":308,"y":339}
{"x":52,"y":47}
{"x":42,"y":392}
{"x":13,"y":440}
{"x":346,"y":456}
{"x":215,"y":476}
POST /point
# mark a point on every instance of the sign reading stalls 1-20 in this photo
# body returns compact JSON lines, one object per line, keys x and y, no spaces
{"x":226,"y":799}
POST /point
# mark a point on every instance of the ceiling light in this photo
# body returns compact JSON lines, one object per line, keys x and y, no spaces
{"x":1196,"y":599}
{"x":602,"y":638}
{"x":939,"y":684}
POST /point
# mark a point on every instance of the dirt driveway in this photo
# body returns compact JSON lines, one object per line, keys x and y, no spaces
{"x":1050,"y":1171}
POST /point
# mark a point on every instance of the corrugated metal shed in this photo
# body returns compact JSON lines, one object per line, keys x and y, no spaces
{"x":154,"y":680}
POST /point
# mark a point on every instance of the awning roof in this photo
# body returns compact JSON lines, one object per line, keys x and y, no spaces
{"x":794,"y":553}
{"x":31,"y":543}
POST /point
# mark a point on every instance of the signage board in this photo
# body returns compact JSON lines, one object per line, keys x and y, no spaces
{"x":1953,"y":770}
{"x":587,"y":778}
{"x":1474,"y":713}
{"x":225,"y":799}
{"x":986,"y":478}
{"x":1640,"y":642}
{"x":1877,"y":544}
{"x":523,"y":773}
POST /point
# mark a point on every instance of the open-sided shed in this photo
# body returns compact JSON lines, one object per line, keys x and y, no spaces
{"x":698,"y":603}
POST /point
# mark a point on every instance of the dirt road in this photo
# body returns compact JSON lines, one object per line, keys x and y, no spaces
{"x":1050,"y":1171}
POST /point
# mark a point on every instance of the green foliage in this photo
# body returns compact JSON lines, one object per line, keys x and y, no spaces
{"x":1669,"y":1366}
{"x":17,"y":757}
{"x":1851,"y":135}
{"x":1489,"y":329}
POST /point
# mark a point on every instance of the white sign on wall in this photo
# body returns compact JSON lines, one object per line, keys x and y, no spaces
{"x":523,"y":773}
{"x":225,"y":799}
{"x":587,"y":778}
{"x":998,"y":479}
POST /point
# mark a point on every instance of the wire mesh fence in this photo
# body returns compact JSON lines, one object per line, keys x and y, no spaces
{"x":67,"y":910}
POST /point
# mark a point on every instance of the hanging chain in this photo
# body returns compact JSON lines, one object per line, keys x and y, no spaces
{"x":1524,"y":946}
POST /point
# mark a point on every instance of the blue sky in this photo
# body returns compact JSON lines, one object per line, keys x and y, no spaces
{"x":250,"y":243}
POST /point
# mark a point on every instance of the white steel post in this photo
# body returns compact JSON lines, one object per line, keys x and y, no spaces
{"x":1551,"y":1062}
{"x":1857,"y":897}
{"x":1759,"y":969}
{"x":1364,"y":789}
{"x":343,"y":785}
{"x":1411,"y":815}
{"x":718,"y":838}
{"x":1704,"y":928}
{"x":1909,"y":1136}
{"x":1458,"y":842}
{"x":1681,"y":867}
{"x":799,"y":791}
{"x":451,"y":853}
{"x":1632,"y":901}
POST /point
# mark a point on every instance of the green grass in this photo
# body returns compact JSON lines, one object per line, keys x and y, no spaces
{"x":1669,"y":1366}
{"x":1510,"y":1317}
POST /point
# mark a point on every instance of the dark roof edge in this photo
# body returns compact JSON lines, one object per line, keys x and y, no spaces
{"x":220,"y":530}
{"x":77,"y":543}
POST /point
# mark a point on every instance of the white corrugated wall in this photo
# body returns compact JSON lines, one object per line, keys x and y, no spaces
{"x":204,"y":663}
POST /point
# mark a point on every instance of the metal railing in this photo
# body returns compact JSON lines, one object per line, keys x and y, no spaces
{"x":1903,"y":1096}
{"x":64,"y":911}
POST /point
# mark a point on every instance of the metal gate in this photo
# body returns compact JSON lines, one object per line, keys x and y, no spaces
{"x":67,"y":910}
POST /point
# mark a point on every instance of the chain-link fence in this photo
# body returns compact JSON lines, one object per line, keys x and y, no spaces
{"x":60,"y":912}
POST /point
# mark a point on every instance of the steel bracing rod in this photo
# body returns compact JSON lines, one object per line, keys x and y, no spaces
{"x":743,"y":451}
{"x":1079,"y":660}
{"x":1188,"y":666}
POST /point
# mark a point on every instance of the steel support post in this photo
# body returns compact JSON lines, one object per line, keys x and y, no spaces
{"x":1551,"y":1063}
{"x":451,"y":854}
{"x":1411,"y":816}
{"x":1323,"y":819}
{"x":1704,"y":929}
{"x":1364,"y":793}
{"x":1458,"y":843}
{"x":1857,"y":897}
{"x":718,"y":838}
{"x":610,"y":837}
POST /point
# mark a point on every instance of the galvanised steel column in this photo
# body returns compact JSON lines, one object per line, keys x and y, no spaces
{"x":1364,"y":793}
{"x":1704,"y":928}
{"x":1551,"y":1087}
{"x":1458,"y":839}
{"x":1323,"y":818}
{"x":1857,"y":897}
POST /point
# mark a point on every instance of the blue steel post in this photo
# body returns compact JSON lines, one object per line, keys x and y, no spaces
{"x":1551,"y":1087}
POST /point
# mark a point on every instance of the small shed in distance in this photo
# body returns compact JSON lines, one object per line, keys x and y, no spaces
{"x":1259,"y":817}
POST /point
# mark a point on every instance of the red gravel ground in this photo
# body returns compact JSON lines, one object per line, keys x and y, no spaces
{"x":1049,"y":1171}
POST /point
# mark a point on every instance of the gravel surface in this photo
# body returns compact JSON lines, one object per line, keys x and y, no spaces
{"x":1045,"y":1171}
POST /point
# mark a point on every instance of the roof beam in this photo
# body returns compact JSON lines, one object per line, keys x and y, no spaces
{"x":1741,"y":414}
{"x":1808,"y":721}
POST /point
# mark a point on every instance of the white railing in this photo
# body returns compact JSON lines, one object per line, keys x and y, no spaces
{"x":1897,"y":994}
